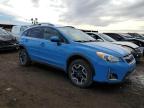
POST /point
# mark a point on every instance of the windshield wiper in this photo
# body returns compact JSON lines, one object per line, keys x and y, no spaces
{"x":79,"y":41}
{"x":86,"y":41}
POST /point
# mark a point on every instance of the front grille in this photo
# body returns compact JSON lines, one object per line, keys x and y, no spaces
{"x":129,"y":58}
{"x":138,"y":50}
{"x":5,"y":43}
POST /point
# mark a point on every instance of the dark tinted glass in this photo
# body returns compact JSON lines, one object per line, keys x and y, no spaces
{"x":115,"y":36}
{"x":36,"y":32}
{"x":49,"y":32}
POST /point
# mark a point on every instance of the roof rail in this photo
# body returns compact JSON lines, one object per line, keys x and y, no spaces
{"x":43,"y":24}
{"x":46,"y":24}
{"x":69,"y":26}
{"x":89,"y":30}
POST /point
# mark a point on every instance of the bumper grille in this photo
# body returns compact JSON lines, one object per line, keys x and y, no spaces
{"x":129,"y":58}
{"x":5,"y":43}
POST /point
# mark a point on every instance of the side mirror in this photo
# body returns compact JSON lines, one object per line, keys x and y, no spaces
{"x":55,"y":39}
{"x":100,"y":40}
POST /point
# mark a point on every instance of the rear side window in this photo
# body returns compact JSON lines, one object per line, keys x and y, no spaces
{"x":35,"y":32}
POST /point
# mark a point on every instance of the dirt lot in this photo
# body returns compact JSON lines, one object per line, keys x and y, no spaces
{"x":40,"y":86}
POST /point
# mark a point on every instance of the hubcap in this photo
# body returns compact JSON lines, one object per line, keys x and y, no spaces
{"x":22,"y":57}
{"x":79,"y":74}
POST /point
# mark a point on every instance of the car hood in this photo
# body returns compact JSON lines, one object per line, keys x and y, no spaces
{"x":107,"y":47}
{"x":129,"y":44}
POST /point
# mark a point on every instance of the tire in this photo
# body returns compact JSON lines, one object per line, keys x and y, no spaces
{"x":80,"y":73}
{"x":24,"y":58}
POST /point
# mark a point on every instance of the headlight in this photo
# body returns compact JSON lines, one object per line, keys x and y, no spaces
{"x":108,"y":57}
{"x":128,"y":48}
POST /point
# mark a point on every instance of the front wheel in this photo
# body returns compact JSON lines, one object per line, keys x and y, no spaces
{"x":24,"y":58}
{"x":80,"y":73}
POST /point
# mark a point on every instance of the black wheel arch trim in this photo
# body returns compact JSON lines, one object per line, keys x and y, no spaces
{"x":23,"y":47}
{"x":80,"y":56}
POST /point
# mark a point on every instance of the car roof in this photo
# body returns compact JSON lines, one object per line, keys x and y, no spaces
{"x":49,"y":25}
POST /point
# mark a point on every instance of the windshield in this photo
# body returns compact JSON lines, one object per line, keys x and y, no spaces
{"x":136,"y":35}
{"x":126,"y":35}
{"x":107,"y":38}
{"x":76,"y":35}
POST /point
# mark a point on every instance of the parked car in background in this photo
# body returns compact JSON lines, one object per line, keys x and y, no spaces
{"x":133,"y":48}
{"x":17,"y":30}
{"x":120,"y":37}
{"x":7,"y":41}
{"x":127,"y":37}
{"x":137,"y":36}
{"x":83,"y":58}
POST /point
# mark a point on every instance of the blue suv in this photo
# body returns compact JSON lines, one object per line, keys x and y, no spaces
{"x":82,"y":57}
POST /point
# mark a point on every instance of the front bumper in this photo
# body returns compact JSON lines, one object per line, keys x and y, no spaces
{"x":9,"y":47}
{"x":113,"y":72}
{"x":142,"y":50}
{"x":138,"y":53}
{"x":137,"y":56}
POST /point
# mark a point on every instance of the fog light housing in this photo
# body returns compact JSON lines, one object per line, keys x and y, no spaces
{"x":112,"y":76}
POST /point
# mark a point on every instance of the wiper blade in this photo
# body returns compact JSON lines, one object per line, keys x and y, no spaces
{"x":86,"y":41}
{"x":80,"y":41}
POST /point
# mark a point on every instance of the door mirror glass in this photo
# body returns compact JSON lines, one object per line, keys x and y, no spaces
{"x":54,"y":39}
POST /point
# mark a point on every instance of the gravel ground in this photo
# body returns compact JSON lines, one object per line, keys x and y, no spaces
{"x":41,"y":86}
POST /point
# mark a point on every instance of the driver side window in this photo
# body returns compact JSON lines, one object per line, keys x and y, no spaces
{"x":49,"y":32}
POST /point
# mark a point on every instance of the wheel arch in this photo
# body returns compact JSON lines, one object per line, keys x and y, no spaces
{"x":21,"y":47}
{"x":79,"y":56}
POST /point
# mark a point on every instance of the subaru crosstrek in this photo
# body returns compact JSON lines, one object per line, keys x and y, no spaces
{"x":83,"y":58}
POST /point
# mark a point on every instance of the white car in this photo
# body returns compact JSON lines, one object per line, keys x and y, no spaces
{"x":133,"y":48}
{"x":18,"y":30}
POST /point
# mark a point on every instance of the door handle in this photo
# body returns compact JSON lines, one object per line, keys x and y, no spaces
{"x":42,"y":44}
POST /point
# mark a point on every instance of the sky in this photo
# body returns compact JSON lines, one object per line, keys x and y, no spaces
{"x":101,"y":15}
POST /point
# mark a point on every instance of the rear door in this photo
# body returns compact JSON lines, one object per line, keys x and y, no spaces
{"x":32,"y":40}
